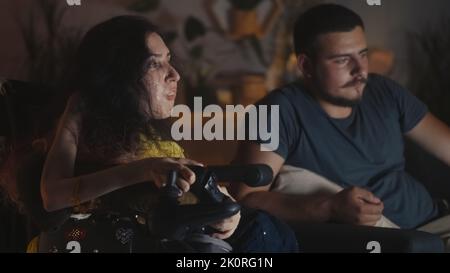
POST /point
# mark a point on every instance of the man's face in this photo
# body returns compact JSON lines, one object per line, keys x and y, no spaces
{"x":160,"y":79}
{"x":340,"y":67}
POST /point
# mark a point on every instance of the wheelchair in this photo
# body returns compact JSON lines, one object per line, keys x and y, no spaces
{"x":168,"y":227}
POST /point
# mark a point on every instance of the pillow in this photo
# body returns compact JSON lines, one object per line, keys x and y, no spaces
{"x":294,"y":180}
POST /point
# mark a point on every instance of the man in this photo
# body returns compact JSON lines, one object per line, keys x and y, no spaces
{"x":347,"y":126}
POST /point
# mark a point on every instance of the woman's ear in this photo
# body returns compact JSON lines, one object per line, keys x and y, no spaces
{"x":304,"y":65}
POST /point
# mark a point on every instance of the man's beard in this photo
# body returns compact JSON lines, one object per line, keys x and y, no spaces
{"x":338,"y":101}
{"x":341,"y":101}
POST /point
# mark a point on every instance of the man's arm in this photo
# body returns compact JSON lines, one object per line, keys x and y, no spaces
{"x":434,"y":136}
{"x":353,"y":205}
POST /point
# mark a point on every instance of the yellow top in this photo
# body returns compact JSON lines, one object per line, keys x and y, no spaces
{"x":164,"y":148}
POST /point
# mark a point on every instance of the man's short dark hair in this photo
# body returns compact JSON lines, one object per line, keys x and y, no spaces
{"x":319,"y":20}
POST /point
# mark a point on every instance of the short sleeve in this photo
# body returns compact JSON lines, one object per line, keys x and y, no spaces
{"x":410,"y":109}
{"x":280,"y":122}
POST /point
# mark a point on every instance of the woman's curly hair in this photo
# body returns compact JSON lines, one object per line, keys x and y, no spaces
{"x":108,"y":74}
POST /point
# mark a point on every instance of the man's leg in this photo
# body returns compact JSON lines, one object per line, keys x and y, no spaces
{"x":260,"y":232}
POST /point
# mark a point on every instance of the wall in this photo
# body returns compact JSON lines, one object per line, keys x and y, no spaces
{"x":386,"y":27}
{"x":13,"y":54}
{"x":388,"y":24}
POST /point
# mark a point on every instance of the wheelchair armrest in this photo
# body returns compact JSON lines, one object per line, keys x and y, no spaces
{"x":326,"y":237}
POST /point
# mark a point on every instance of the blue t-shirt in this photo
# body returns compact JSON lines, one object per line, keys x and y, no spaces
{"x":364,"y":150}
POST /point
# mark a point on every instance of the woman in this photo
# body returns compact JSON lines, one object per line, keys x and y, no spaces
{"x":124,"y":89}
{"x":113,"y":133}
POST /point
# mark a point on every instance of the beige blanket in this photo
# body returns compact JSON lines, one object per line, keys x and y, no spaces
{"x":294,"y":180}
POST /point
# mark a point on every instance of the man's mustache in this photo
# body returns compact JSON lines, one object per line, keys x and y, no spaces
{"x":355,"y":82}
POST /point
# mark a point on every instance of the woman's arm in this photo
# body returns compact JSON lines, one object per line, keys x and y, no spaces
{"x":60,"y":189}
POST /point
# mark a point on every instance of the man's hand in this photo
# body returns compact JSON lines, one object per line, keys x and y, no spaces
{"x":226,"y":227}
{"x":356,"y":206}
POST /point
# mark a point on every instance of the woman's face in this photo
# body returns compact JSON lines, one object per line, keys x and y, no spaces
{"x":160,"y":78}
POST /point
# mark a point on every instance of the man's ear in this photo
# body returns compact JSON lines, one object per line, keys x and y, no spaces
{"x":305,"y":65}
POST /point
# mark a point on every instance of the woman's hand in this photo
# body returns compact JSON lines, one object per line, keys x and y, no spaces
{"x":160,"y":168}
{"x":226,"y":227}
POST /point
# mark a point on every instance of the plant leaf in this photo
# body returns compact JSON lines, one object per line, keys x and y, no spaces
{"x":255,"y":43}
{"x":193,"y":29}
{"x":196,"y":52}
{"x":245,"y":4}
{"x":144,"y":5}
{"x":169,"y":36}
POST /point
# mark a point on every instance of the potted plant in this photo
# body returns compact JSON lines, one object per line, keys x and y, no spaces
{"x":49,"y":53}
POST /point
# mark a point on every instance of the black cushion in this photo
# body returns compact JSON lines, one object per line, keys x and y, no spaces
{"x":320,"y":237}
